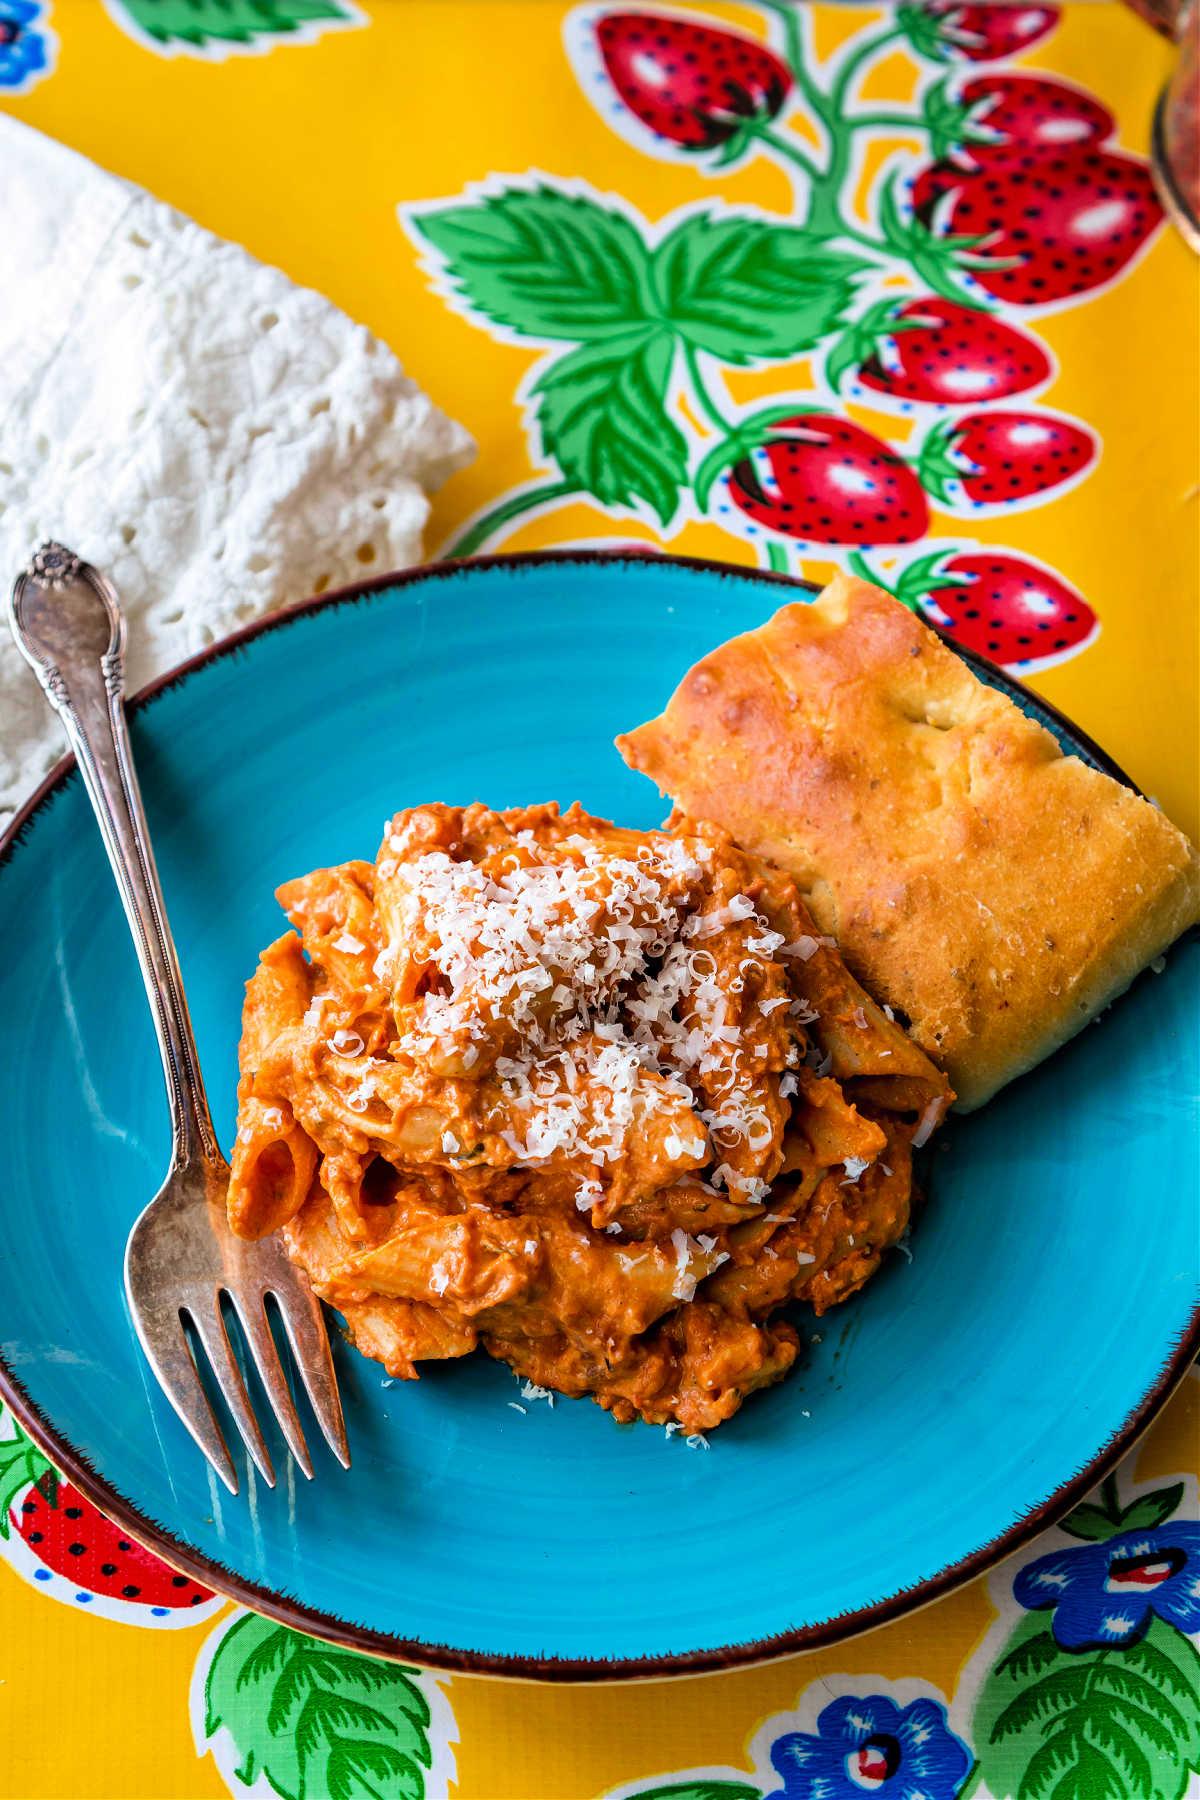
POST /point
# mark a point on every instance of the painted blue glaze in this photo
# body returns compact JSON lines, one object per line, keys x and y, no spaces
{"x":1053,"y":1270}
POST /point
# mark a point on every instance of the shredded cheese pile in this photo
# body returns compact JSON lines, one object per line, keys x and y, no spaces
{"x":592,"y":971}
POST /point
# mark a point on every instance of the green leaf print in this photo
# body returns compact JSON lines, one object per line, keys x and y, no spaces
{"x":745,"y":289}
{"x":1034,"y":1705}
{"x":600,"y":411}
{"x":700,"y":1789}
{"x":1030,"y":1656}
{"x":198,"y":23}
{"x":1091,"y":1523}
{"x":926,"y":31}
{"x":1110,"y":1517}
{"x":1170,"y":1662}
{"x":947,"y":123}
{"x":1152,"y":1509}
{"x":601,"y":418}
{"x":860,"y":341}
{"x":545,"y":264}
{"x":21,"y":1464}
{"x":316,"y":1720}
{"x":1119,"y":1723}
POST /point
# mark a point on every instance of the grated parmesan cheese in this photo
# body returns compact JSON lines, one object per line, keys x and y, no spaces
{"x":929,"y":1121}
{"x":358,"y":1096}
{"x":618,"y":1040}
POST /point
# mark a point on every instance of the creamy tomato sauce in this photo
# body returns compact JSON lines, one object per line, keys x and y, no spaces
{"x":601,"y":1101}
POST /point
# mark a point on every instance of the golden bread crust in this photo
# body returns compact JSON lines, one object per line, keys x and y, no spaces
{"x":997,"y":892}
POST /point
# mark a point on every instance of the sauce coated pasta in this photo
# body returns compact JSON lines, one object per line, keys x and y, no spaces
{"x":601,"y":1101}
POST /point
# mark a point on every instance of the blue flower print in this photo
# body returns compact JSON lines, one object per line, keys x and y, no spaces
{"x":1106,"y":1593}
{"x":872,"y":1747}
{"x":22,"y":51}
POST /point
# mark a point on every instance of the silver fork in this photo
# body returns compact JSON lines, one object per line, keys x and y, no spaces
{"x":181,"y":1257}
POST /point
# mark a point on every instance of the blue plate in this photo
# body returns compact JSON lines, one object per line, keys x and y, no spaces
{"x":955,"y":1408}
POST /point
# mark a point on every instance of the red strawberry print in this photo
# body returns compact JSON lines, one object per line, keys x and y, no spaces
{"x":995,"y":458}
{"x":1010,"y":609}
{"x":947,"y":354}
{"x":829,"y":482}
{"x":949,"y":176}
{"x":67,"y":1549}
{"x":70,"y":1537}
{"x":1052,"y":226}
{"x":993,"y":32}
{"x":687,"y":82}
{"x":1034,"y":112}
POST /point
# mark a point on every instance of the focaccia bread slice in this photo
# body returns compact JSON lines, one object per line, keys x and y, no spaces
{"x":996,"y":892}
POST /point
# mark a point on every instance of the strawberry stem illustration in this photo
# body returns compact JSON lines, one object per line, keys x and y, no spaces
{"x":886,"y":121}
{"x":936,"y":468}
{"x":858,"y":565}
{"x":793,"y":53}
{"x":937,"y":261}
{"x":749,"y":434}
{"x":477,"y":534}
{"x":783,"y":143}
{"x":704,"y":399}
{"x":825,"y":212}
{"x":862,"y":54}
{"x":918,"y":581}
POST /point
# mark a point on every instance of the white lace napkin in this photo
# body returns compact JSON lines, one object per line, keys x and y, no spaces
{"x":214,"y":438}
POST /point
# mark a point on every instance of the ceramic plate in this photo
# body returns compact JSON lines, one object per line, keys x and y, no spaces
{"x":958,"y":1405}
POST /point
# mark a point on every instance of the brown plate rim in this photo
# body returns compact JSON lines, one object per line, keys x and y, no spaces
{"x":291,"y":1612}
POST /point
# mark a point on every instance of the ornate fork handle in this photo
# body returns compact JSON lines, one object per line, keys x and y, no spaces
{"x":70,"y":630}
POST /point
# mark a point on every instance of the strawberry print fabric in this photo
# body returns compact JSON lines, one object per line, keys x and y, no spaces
{"x":926,"y":292}
{"x":885,"y":289}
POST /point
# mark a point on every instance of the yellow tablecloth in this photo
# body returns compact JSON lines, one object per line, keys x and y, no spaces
{"x":365,"y":150}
